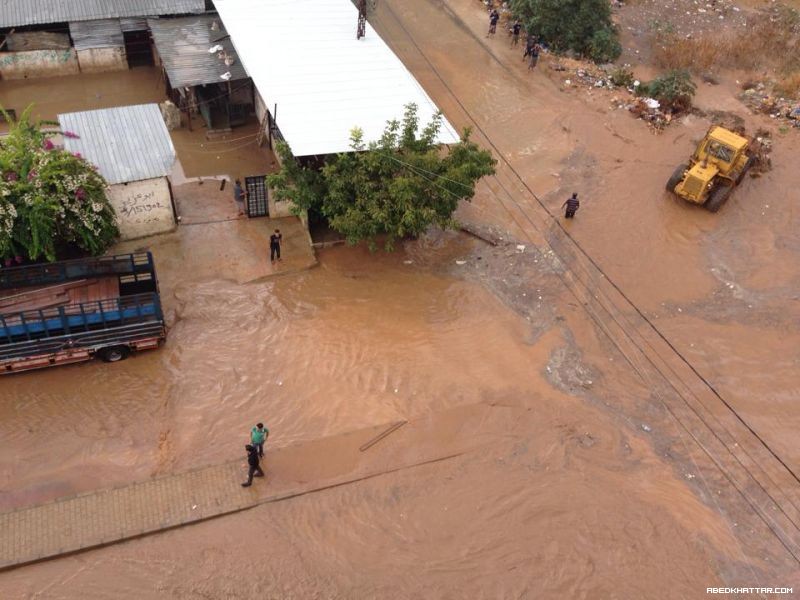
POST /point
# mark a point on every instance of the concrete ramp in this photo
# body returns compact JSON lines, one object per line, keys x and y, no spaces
{"x":114,"y":515}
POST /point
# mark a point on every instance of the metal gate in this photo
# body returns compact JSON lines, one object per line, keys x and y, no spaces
{"x":257,"y":201}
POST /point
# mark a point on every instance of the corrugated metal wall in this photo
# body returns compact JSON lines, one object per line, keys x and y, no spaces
{"x":105,"y":33}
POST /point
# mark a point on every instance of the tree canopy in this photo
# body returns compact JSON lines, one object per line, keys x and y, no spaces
{"x":583,"y":26}
{"x":397,"y":186}
{"x":50,"y":199}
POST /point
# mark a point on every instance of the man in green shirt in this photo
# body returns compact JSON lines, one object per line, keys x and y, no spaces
{"x":258,"y":435}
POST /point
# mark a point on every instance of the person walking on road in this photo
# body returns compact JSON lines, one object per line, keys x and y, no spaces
{"x":275,"y":245}
{"x":572,"y":205}
{"x":254,"y":468}
{"x":259,"y":435}
{"x":530,"y":42}
{"x":534,"y":57}
{"x":494,"y":17}
{"x":515,"y":29}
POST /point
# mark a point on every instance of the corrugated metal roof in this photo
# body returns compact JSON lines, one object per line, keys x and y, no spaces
{"x":133,"y":24}
{"x":16,"y":13}
{"x":183,"y":45}
{"x":105,"y":33}
{"x":304,"y":57}
{"x":128,"y":143}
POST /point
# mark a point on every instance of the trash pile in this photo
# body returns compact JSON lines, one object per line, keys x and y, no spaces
{"x":603,"y":77}
{"x":760,"y":148}
{"x":759,"y":100}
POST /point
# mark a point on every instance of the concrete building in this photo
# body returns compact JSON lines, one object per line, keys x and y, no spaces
{"x":132,"y":149}
{"x":93,"y":35}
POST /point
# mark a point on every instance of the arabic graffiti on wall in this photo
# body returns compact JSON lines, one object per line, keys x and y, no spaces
{"x":17,"y":65}
{"x":143,"y":208}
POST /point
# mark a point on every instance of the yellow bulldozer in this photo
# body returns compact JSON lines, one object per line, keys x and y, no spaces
{"x":718,"y":165}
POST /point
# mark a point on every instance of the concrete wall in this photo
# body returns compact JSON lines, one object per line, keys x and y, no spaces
{"x":96,"y":60}
{"x":143,"y":207}
{"x":38,"y":63}
{"x":261,"y":107}
{"x":279,"y":209}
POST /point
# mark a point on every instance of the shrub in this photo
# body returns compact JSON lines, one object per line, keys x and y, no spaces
{"x":674,"y":90}
{"x":582,"y":26}
{"x":622,"y":76}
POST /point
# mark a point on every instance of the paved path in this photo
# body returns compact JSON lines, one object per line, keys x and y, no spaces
{"x":113,"y":515}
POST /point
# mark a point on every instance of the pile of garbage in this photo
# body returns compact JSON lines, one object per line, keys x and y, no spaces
{"x":625,"y":98}
{"x":759,"y":100}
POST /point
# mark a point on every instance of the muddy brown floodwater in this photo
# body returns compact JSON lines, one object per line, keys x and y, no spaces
{"x":597,"y":491}
{"x":564,"y":504}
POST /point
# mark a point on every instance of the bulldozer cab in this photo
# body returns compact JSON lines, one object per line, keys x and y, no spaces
{"x":721,"y":148}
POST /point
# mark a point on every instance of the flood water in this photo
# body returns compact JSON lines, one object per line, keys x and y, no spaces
{"x":577,"y":501}
{"x":361,"y":340}
{"x":357,"y":342}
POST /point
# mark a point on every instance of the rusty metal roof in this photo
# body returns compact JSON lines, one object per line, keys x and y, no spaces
{"x":183,"y":44}
{"x":127,"y":143}
{"x":105,"y":33}
{"x":16,"y":13}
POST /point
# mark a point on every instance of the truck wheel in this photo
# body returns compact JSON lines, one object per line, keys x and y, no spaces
{"x":676,"y":178}
{"x":748,"y":163}
{"x":114,"y":353}
{"x":718,"y":196}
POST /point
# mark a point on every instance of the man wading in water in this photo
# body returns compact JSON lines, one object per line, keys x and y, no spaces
{"x":572,"y":205}
{"x":259,"y":435}
{"x":254,"y":469}
{"x":275,"y":245}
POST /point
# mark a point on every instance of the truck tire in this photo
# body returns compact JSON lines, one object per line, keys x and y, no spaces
{"x":114,"y":353}
{"x":748,"y":163}
{"x":676,"y":178}
{"x":718,"y":196}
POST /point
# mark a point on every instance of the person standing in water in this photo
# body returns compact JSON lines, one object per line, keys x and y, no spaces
{"x":572,"y":205}
{"x":275,"y":245}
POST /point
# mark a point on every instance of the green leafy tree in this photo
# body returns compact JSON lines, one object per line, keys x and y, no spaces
{"x":395,"y":187}
{"x":583,"y":26}
{"x":50,"y":199}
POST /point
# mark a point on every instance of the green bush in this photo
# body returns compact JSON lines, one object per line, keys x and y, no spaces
{"x":50,"y":200}
{"x":674,"y":90}
{"x":583,"y":26}
{"x":621,"y":77}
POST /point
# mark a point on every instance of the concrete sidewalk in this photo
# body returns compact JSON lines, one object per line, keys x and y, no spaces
{"x":113,"y":515}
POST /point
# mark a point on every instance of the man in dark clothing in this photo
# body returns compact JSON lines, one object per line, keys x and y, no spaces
{"x":252,"y":461}
{"x":529,"y":44}
{"x":494,"y":17}
{"x":572,"y":205}
{"x":275,"y":245}
{"x":515,"y":29}
{"x":534,"y":57}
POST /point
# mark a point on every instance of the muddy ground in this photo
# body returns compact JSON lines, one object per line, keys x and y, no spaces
{"x":606,"y":489}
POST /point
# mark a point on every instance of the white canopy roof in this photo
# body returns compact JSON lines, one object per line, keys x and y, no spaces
{"x":304,"y":57}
